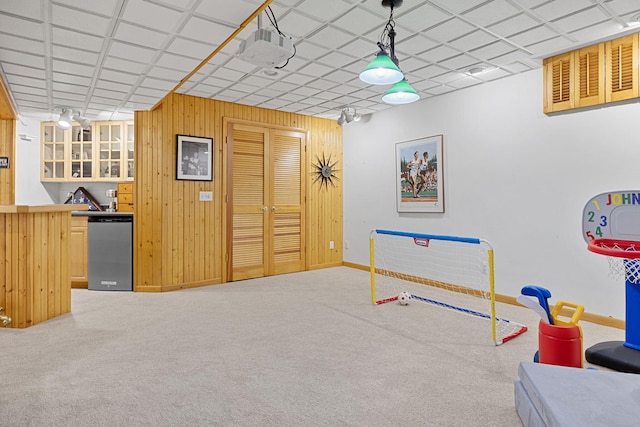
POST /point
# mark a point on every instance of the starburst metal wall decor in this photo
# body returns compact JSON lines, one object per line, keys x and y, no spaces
{"x":324,"y":171}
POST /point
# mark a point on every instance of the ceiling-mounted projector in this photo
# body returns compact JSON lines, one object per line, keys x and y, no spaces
{"x":266,"y":49}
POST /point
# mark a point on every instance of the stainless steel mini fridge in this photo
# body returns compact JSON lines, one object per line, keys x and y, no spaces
{"x":110,"y":257}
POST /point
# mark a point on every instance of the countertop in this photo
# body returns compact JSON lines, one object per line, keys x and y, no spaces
{"x":100,"y":213}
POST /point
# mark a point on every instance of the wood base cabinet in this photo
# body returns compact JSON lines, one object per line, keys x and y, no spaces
{"x":79,"y":250}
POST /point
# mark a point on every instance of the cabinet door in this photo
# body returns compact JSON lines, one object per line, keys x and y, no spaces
{"x":110,"y":161}
{"x":81,"y":153}
{"x":558,"y":83}
{"x":54,"y":153}
{"x":590,"y":75}
{"x":79,"y":248}
{"x":622,"y":68}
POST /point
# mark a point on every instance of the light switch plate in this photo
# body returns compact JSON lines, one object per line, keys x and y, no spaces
{"x":206,"y":196}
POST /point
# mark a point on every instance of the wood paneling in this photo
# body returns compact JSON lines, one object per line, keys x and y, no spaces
{"x":7,"y":149}
{"x":180,"y":241}
{"x":35,"y":275}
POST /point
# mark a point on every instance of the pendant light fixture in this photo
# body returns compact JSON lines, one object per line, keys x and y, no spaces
{"x":385,"y":69}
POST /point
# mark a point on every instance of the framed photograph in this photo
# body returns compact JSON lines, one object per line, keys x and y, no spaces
{"x":194,"y":158}
{"x":419,"y":171}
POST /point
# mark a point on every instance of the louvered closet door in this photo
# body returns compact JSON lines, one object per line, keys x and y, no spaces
{"x":287,"y":201}
{"x":622,"y":68}
{"x":249,"y":219}
{"x":267,"y":196}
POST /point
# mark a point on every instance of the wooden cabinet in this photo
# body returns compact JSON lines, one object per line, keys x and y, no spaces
{"x":125,"y":197}
{"x":103,"y":152}
{"x":594,"y":75}
{"x":622,"y":68}
{"x":79,"y":251}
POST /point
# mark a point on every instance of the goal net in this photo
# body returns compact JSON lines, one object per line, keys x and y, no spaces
{"x":450,"y":272}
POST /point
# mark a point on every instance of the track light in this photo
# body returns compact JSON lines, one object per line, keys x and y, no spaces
{"x":348,"y":115}
{"x":64,"y":122}
{"x":82,"y":121}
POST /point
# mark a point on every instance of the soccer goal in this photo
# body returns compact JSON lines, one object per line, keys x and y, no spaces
{"x":451,"y":272}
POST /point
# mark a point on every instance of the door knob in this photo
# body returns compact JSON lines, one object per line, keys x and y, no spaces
{"x":264,"y":208}
{"x":273,"y":208}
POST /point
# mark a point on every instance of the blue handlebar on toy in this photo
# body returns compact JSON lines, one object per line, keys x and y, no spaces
{"x":542,"y":294}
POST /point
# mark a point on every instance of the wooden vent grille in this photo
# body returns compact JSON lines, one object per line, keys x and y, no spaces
{"x":622,"y":68}
{"x":561,"y":81}
{"x":589,"y":74}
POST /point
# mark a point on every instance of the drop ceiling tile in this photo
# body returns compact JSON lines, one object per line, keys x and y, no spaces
{"x":27,"y":9}
{"x":176,"y":62}
{"x":598,"y":31}
{"x":118,"y":76}
{"x":26,"y":81}
{"x":326,"y":10}
{"x":73,"y":79}
{"x":190,"y":48}
{"x":510,"y":57}
{"x":158,"y":84}
{"x":558,"y":9}
{"x":18,"y":88}
{"x":108,"y":94}
{"x":21,"y":70}
{"x":132,"y":52}
{"x":22,"y":44}
{"x":75,"y":55}
{"x":492,"y":50}
{"x":21,"y":27}
{"x":20,"y":58}
{"x":414,"y":45}
{"x":203,"y":30}
{"x":430,"y":71}
{"x":419,"y":19}
{"x":449,"y":30}
{"x":141,"y":36}
{"x":139,"y":11}
{"x":473,"y":40}
{"x":517,"y":67}
{"x":339,"y":76}
{"x":227,"y":74}
{"x":491,"y":12}
{"x":296,"y":25}
{"x":519,"y":23}
{"x":114,"y":63}
{"x":587,"y":18}
{"x":331,"y":37}
{"x":291,"y":97}
{"x":359,"y":21}
{"x":410,"y":64}
{"x":310,"y":50}
{"x":315,"y":69}
{"x":337,"y":59}
{"x":459,"y":6}
{"x":439,"y":53}
{"x":494,"y":74}
{"x":533,"y":35}
{"x":305,"y":91}
{"x":359,"y":48}
{"x":322,"y":84}
{"x":113,"y":86}
{"x":239,"y":65}
{"x":87,"y":42}
{"x":297,"y":79}
{"x":464,"y":82}
{"x":68,"y":98}
{"x":103,"y":7}
{"x":75,"y":19}
{"x":623,"y":7}
{"x":550,"y":47}
{"x":440,"y":90}
{"x":143,"y":99}
{"x":219,"y":10}
{"x":166,"y":74}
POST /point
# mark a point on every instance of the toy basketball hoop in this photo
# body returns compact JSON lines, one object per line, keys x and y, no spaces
{"x":623,"y":257}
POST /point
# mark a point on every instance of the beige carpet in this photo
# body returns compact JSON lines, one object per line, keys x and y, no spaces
{"x":304,"y":349}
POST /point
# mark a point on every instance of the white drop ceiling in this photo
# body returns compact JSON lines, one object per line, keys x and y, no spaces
{"x":109,"y":58}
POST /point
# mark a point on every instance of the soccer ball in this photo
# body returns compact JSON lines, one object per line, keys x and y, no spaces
{"x":404,"y":297}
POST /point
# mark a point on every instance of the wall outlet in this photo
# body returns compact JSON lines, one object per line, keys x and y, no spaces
{"x":331,"y":244}
{"x":346,"y":244}
{"x":206,"y":196}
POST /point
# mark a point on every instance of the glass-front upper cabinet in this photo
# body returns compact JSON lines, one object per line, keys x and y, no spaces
{"x":129,"y":149}
{"x":81,"y":152}
{"x":53,"y":152}
{"x":102,"y":152}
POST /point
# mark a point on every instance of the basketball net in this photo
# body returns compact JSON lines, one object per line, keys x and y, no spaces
{"x":619,"y":265}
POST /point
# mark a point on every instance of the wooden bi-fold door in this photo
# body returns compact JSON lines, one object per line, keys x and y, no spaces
{"x":266,"y":201}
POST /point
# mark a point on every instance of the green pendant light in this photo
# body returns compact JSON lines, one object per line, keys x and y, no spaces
{"x":401,"y":93}
{"x":381,"y":71}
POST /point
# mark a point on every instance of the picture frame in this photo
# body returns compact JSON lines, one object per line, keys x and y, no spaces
{"x":419,"y":182}
{"x":194,"y":158}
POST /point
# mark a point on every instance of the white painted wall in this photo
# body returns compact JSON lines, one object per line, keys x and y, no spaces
{"x":29,"y":189}
{"x":512,"y":175}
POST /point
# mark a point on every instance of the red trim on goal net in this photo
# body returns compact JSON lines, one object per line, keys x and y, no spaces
{"x":628,"y":249}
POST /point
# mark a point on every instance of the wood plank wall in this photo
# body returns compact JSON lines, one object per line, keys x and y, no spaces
{"x":179,"y":241}
{"x":35,"y":282}
{"x":7,"y":149}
